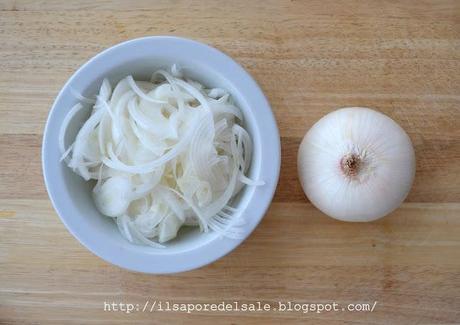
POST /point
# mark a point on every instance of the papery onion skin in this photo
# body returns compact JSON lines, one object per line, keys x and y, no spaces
{"x":356,"y":164}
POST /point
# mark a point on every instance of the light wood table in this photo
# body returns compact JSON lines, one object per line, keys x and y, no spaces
{"x":310,"y":57}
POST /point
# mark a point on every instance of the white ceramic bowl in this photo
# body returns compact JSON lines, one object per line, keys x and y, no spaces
{"x":71,"y":195}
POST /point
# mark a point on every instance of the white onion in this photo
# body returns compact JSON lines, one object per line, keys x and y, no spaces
{"x":356,"y":164}
{"x":165,"y":154}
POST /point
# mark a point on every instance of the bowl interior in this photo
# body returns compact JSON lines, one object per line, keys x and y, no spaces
{"x":76,"y":193}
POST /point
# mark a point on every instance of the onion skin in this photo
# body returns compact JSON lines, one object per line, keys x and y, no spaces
{"x":356,"y":164}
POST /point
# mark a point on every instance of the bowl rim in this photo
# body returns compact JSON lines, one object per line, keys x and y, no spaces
{"x":215,"y":249}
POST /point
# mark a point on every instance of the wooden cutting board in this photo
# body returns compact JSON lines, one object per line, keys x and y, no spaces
{"x":310,"y":57}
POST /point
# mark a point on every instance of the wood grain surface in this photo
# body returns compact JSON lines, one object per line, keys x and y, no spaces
{"x":310,"y":57}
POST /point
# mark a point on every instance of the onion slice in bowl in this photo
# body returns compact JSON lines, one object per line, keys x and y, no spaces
{"x":164,"y":154}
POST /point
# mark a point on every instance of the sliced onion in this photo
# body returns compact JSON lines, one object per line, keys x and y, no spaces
{"x":164,"y":155}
